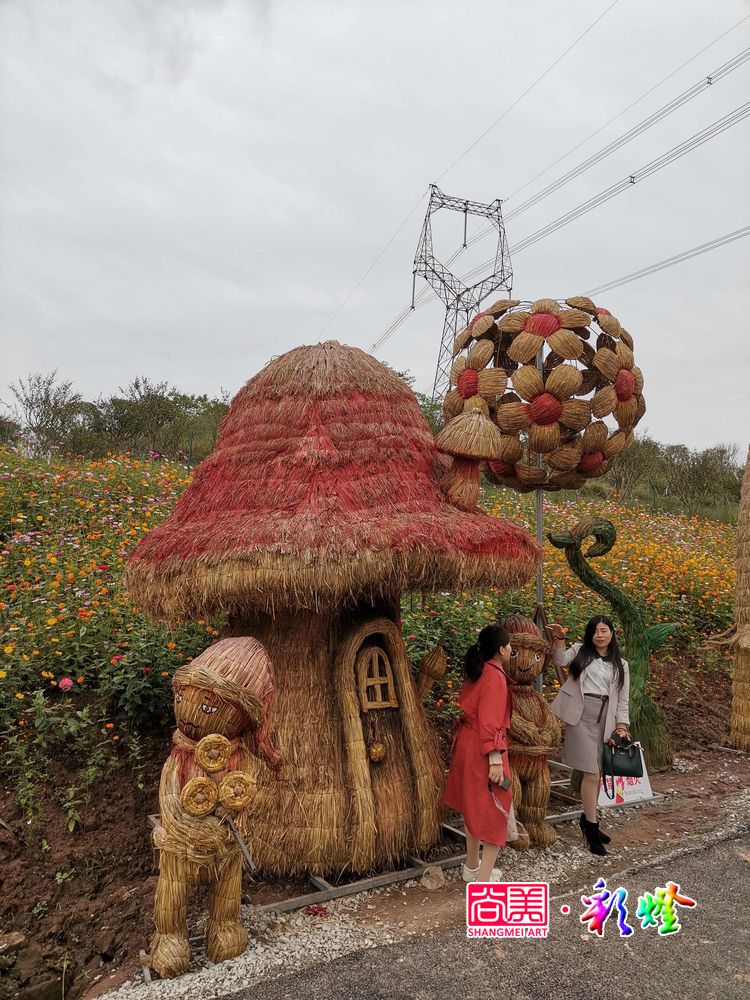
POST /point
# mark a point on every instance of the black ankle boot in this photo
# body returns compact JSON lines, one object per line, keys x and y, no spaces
{"x":592,"y":836}
{"x":602,"y":835}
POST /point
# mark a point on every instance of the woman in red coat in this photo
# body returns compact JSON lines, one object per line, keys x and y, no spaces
{"x":479,"y":785}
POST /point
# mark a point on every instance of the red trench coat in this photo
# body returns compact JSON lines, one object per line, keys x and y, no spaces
{"x":486,"y":708}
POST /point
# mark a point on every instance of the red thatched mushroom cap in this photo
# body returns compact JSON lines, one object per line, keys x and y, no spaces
{"x":322,"y":489}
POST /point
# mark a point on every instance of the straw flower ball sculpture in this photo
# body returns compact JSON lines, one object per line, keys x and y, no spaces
{"x":551,"y":394}
{"x":222,"y":705}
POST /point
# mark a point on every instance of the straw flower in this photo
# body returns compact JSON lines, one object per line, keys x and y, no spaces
{"x":547,"y":411}
{"x":545,"y":322}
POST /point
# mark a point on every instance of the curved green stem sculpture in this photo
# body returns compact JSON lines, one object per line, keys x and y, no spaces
{"x":647,"y":721}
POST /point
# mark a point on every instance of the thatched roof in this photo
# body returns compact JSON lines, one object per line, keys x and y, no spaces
{"x":322,"y":489}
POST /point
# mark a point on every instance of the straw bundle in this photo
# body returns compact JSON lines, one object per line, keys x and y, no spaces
{"x":564,"y":381}
{"x":566,"y":481}
{"x":582,"y":302}
{"x":607,"y":362}
{"x":530,"y":475}
{"x":604,"y":402}
{"x":492,"y":382}
{"x":626,"y":414}
{"x":480,"y":354}
{"x":624,"y":355}
{"x":458,"y":366}
{"x":544,"y":438}
{"x":510,"y":449}
{"x":345,"y":504}
{"x":528,"y":382}
{"x":432,"y":667}
{"x":453,"y":404}
{"x":740,"y":718}
{"x":617,"y":443}
{"x":609,"y":324}
{"x":482,"y":325}
{"x":576,"y":414}
{"x":595,"y":436}
{"x":512,"y":417}
{"x":462,"y":340}
{"x":500,"y":307}
{"x":566,"y":458}
{"x":513,"y":322}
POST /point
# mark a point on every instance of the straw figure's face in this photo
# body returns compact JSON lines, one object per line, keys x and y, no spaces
{"x":200,"y":711}
{"x":525,"y":663}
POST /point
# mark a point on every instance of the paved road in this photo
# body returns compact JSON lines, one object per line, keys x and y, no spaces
{"x":709,"y":959}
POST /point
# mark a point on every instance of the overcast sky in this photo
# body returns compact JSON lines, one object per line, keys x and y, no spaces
{"x":190,"y":187}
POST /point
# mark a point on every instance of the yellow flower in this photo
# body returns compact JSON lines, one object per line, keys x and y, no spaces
{"x":20,"y":695}
{"x":9,"y":648}
{"x":3,"y":674}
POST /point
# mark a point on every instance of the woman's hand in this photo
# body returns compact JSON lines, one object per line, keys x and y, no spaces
{"x":556,"y":631}
{"x":622,"y":730}
{"x":496,"y":773}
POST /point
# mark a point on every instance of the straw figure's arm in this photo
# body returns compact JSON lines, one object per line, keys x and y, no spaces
{"x":647,"y":721}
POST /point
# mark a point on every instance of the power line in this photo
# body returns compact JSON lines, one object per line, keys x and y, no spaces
{"x":679,"y":258}
{"x":528,"y":90}
{"x":467,"y":150}
{"x":676,"y":153}
{"x":425,"y":296}
{"x":630,"y":106}
{"x":643,"y":126}
{"x":374,"y":263}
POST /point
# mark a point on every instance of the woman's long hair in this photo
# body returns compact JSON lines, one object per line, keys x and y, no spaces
{"x":489,"y":641}
{"x":588,"y":652}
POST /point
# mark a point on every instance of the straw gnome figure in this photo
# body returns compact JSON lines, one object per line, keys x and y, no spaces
{"x":534,"y":733}
{"x":222,"y":704}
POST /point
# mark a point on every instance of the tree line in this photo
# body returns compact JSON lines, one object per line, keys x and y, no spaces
{"x":146,"y":418}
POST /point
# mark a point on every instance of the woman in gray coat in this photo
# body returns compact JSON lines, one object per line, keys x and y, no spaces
{"x":593,"y":702}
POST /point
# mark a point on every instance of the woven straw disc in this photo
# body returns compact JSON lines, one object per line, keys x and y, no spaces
{"x":236,"y":790}
{"x":199,"y":797}
{"x":213,"y":752}
{"x":376,"y":752}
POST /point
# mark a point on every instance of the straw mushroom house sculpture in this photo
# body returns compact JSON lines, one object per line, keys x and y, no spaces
{"x":319,"y":507}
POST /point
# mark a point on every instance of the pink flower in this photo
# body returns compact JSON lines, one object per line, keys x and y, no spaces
{"x":411,"y":637}
{"x":65,"y":683}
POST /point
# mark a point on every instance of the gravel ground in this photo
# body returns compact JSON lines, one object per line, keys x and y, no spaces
{"x":281,"y":944}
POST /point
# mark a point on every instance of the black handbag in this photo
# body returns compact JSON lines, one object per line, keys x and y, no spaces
{"x":622,"y":759}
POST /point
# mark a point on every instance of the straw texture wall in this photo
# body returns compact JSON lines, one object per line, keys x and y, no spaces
{"x":333,"y":809}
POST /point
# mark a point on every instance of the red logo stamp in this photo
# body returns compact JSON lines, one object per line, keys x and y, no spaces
{"x":507,"y":909}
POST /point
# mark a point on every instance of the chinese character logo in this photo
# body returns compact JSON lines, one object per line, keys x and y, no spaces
{"x":657,"y":909}
{"x":507,"y":909}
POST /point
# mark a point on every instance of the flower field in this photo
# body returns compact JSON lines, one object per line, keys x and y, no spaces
{"x":67,"y":625}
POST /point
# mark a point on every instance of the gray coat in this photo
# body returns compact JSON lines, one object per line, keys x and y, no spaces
{"x":568,"y":705}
